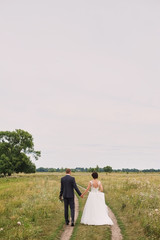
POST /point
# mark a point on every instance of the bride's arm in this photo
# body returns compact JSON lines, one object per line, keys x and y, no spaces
{"x":101,"y":187}
{"x":87,"y":189}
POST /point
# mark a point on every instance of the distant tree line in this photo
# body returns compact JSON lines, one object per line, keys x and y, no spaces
{"x":97,"y":169}
{"x":77,"y":169}
{"x":127,"y":170}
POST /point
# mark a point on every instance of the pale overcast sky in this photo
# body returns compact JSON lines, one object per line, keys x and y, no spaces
{"x":83,"y":77}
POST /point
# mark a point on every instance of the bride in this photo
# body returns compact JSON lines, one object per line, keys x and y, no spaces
{"x":95,"y":211}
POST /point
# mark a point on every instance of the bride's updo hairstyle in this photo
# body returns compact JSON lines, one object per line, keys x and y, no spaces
{"x":95,"y":175}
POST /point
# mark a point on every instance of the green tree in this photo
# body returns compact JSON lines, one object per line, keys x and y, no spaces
{"x":91,"y":169}
{"x":97,"y":169}
{"x":6,"y":166}
{"x":108,"y":169}
{"x":62,"y":169}
{"x":51,"y":170}
{"x":16,"y":148}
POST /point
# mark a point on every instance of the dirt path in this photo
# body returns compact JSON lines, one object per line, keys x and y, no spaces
{"x":116,"y":232}
{"x":68,"y":229}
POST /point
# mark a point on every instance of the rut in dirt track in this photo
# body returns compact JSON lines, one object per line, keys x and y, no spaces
{"x":68,"y":229}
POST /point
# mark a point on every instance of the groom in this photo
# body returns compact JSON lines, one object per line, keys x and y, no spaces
{"x":68,"y":185}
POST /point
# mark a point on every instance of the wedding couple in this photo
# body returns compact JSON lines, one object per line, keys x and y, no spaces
{"x":95,"y":211}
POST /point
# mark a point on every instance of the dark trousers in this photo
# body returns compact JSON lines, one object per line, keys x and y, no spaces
{"x":69,"y":202}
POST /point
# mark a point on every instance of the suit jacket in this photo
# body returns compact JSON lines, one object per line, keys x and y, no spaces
{"x":68,"y":185}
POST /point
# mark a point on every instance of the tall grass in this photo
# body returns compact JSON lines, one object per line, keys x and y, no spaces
{"x":30,"y":208}
{"x":138,"y":203}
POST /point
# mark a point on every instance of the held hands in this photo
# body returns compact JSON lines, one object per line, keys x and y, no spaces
{"x":82,"y":195}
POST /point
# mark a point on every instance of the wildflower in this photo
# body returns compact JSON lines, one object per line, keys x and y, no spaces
{"x":1,"y":229}
{"x":156,"y":210}
{"x":19,"y":223}
{"x":141,"y":194}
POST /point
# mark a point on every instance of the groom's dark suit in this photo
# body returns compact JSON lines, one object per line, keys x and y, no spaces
{"x":68,"y":185}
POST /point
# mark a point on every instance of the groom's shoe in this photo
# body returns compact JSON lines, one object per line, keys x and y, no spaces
{"x":72,"y":224}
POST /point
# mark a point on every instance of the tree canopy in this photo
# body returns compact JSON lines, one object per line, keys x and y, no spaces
{"x":16,"y":148}
{"x":108,"y":169}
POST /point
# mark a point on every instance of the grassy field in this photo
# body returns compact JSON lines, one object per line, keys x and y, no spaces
{"x":30,"y":208}
{"x":32,"y":200}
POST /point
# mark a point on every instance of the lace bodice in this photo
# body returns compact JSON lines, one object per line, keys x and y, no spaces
{"x":93,"y":189}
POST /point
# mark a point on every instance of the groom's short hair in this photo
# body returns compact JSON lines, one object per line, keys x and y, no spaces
{"x":68,"y":170}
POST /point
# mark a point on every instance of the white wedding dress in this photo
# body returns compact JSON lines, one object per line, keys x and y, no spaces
{"x":95,"y":211}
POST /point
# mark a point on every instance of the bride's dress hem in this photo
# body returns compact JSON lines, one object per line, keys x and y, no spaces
{"x":97,"y":224}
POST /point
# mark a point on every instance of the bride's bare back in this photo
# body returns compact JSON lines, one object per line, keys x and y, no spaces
{"x":97,"y":184}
